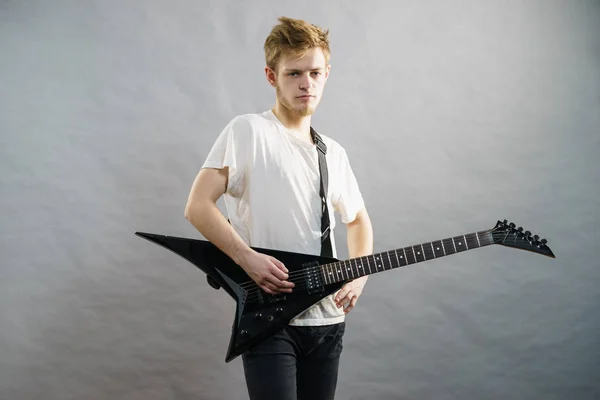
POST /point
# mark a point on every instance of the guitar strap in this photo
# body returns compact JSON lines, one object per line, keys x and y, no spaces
{"x":326,"y":248}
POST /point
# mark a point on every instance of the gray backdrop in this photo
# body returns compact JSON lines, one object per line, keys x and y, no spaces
{"x":454,"y":115}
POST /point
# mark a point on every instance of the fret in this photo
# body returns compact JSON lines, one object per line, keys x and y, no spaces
{"x":428,"y":251}
{"x":418,"y":254}
{"x":399,"y":264}
{"x":478,"y":242}
{"x":344,"y":270}
{"x":410,"y":257}
{"x":406,"y":258}
{"x":326,"y":274}
{"x":378,"y":263}
{"x":472,"y":240}
{"x":486,"y":238}
{"x":390,"y":260}
{"x":403,"y":259}
{"x":349,"y":269}
{"x":360,"y":270}
{"x":338,"y":270}
{"x":374,"y":263}
{"x":341,"y":270}
{"x":333,"y":277}
{"x":438,"y":248}
{"x":466,"y":243}
{"x":449,"y":246}
{"x":459,"y":243}
{"x":397,"y":260}
{"x":369,"y":265}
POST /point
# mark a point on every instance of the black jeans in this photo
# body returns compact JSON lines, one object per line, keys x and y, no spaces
{"x":296,"y":363}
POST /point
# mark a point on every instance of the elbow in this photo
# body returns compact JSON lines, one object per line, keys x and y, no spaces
{"x":362,"y":219}
{"x":188,"y":212}
{"x":195,"y":211}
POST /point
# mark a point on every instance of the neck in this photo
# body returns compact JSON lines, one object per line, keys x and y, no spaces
{"x":360,"y":266}
{"x":296,"y":124}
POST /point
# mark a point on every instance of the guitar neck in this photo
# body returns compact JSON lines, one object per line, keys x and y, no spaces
{"x":379,"y":262}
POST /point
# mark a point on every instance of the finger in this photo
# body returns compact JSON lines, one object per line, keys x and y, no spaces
{"x":283,"y":288}
{"x":278,"y":273}
{"x":280,"y":285}
{"x":351,"y":305}
{"x":279,"y":265}
{"x":267,"y":288}
{"x":341,"y":294}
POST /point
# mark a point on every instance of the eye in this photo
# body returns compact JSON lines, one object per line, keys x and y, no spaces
{"x":316,"y":73}
{"x":292,"y":74}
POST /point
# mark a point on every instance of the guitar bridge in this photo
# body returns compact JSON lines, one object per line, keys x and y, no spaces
{"x":314,"y":283}
{"x":275,"y":298}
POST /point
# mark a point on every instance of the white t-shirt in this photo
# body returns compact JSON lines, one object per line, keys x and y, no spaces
{"x":272,"y":197}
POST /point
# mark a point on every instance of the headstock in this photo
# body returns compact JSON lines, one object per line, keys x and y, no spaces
{"x":507,"y":234}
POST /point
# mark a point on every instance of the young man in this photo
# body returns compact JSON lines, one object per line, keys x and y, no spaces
{"x":267,"y":168}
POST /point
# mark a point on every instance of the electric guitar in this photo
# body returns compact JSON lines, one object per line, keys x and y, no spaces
{"x":259,"y":314}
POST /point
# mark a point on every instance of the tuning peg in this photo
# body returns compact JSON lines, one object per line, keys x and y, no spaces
{"x":520,"y":229}
{"x":505,"y":222}
{"x":543,"y":241}
{"x":512,"y":225}
{"x":527,"y":233}
{"x":536,"y":237}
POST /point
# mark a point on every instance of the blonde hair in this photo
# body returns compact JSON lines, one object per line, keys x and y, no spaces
{"x":294,"y":37}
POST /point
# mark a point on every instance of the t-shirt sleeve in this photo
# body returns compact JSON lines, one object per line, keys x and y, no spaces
{"x":349,"y":200}
{"x":231,"y":149}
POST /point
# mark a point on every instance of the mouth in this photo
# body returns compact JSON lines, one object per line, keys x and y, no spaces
{"x":305,"y":96}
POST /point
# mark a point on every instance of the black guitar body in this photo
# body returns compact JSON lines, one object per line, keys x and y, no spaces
{"x":258,"y":314}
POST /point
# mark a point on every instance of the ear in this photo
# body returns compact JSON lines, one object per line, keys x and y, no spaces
{"x":271,"y":76}
{"x":327,"y":71}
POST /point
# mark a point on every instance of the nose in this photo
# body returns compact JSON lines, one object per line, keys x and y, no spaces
{"x":305,"y":82}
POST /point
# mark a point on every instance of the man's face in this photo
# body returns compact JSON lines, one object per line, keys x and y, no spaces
{"x":300,"y":82}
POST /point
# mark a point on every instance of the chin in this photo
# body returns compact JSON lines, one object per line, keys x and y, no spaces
{"x":305,"y":111}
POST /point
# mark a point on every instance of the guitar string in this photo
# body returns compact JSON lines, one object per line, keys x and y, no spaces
{"x":336,"y":264}
{"x":303,"y":273}
{"x":254,"y":292}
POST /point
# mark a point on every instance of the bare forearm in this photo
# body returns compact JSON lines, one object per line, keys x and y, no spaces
{"x":206,"y":217}
{"x":360,"y":243}
{"x":360,"y":238}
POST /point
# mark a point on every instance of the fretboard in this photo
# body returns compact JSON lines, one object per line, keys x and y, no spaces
{"x":371,"y":264}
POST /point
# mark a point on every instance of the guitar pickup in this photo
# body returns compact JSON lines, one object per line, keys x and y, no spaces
{"x":314,"y":282}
